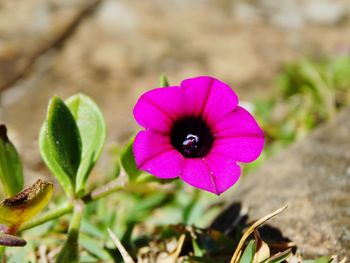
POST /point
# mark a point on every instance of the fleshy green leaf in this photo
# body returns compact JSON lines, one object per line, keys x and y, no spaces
{"x":92,"y":129}
{"x":11,"y":171}
{"x":163,"y":80}
{"x":52,"y":164}
{"x":64,"y":137}
{"x":21,"y":207}
{"x":60,"y":143}
{"x":127,"y":160}
{"x":248,"y":254}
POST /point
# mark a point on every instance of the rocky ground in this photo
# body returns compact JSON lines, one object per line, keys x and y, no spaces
{"x":313,"y":178}
{"x":114,"y":50}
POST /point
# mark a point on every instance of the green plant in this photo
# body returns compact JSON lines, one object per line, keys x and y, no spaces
{"x":74,"y":228}
{"x":309,"y":92}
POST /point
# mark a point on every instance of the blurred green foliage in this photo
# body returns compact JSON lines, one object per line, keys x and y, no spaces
{"x":308,"y":92}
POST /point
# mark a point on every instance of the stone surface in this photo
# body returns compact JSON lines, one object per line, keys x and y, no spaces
{"x":313,"y":178}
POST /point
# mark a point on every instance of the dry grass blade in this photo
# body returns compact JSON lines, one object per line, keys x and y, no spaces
{"x":176,"y":253}
{"x":282,"y":246}
{"x":251,"y":229}
{"x":280,"y":254}
{"x":125,"y":255}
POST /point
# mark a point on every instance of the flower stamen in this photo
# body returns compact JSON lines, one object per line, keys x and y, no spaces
{"x":192,"y":137}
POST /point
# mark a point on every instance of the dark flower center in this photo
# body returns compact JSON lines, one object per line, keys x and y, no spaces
{"x":192,"y":137}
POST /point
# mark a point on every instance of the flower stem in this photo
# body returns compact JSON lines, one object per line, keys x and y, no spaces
{"x":95,"y":195}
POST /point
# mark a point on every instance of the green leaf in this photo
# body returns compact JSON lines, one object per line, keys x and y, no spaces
{"x":127,"y":160}
{"x":188,"y":209}
{"x":64,"y":137}
{"x":324,"y":259}
{"x":92,"y":129}
{"x":60,"y":143}
{"x":145,"y":205}
{"x":163,"y":80}
{"x":94,"y":247}
{"x":11,"y":171}
{"x":248,"y":254}
{"x":52,"y":164}
{"x":90,"y":229}
{"x":197,"y":251}
{"x":23,"y":206}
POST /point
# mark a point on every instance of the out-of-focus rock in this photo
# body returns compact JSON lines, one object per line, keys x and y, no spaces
{"x":283,"y":13}
{"x":30,"y":28}
{"x":313,"y":178}
{"x":117,"y":17}
{"x":324,"y":12}
{"x":293,"y":14}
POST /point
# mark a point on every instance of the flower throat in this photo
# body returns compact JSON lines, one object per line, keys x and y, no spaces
{"x":192,"y":137}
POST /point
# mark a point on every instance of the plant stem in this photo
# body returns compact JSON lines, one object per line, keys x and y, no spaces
{"x":56,"y":213}
{"x":2,"y":254}
{"x":105,"y":190}
{"x":69,"y":252}
{"x":95,"y":195}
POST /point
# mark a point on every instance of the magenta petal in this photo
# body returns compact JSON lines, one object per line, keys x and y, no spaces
{"x":243,"y":149}
{"x":158,"y":108}
{"x":208,"y":97}
{"x":229,"y":132}
{"x":214,"y":174}
{"x":221,"y":101}
{"x":154,"y":154}
{"x":238,"y":123}
{"x":225,"y":172}
{"x":196,"y":173}
{"x":238,"y":136}
{"x":196,"y":92}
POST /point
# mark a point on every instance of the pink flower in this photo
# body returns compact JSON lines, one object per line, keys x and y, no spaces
{"x":196,"y":131}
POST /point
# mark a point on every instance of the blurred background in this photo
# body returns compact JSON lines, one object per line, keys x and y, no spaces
{"x":113,"y":50}
{"x":288,"y":60}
